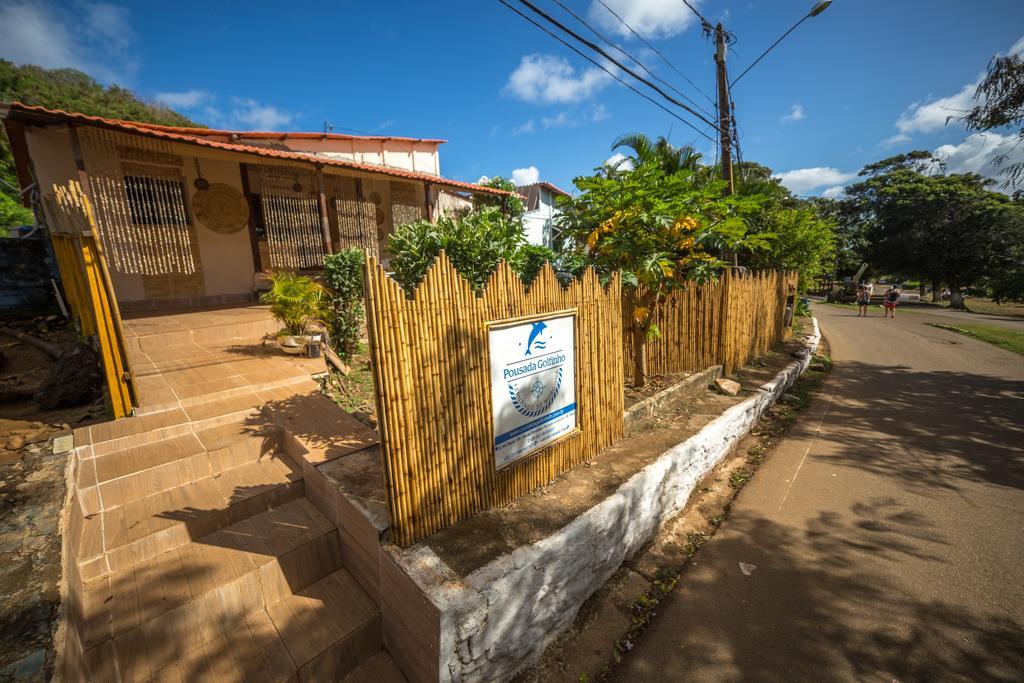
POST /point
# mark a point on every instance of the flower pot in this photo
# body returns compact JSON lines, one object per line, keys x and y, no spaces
{"x":293,"y":345}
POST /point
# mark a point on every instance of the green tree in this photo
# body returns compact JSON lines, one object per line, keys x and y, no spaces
{"x":512,"y":203}
{"x":13,"y":214}
{"x":1000,"y":103}
{"x":660,"y":153}
{"x":659,"y":230}
{"x":70,"y":90}
{"x":920,"y":222}
{"x":802,"y":231}
{"x":803,"y":241}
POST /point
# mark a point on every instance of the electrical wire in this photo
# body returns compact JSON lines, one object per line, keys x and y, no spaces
{"x":656,"y":51}
{"x":607,"y":56}
{"x":632,"y":58}
{"x":770,"y":47}
{"x":608,"y":71}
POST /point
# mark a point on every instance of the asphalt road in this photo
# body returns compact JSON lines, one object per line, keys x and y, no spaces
{"x":886,"y":534}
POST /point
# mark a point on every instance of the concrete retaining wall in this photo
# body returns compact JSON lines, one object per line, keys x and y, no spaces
{"x":500,"y":618}
{"x":25,"y":271}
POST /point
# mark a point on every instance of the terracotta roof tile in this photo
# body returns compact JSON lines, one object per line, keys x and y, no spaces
{"x":30,"y":112}
{"x":280,"y":135}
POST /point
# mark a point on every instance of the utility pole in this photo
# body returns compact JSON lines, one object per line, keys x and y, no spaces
{"x":724,"y":123}
{"x":724,"y":108}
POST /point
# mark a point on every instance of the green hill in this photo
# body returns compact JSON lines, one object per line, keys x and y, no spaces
{"x":70,"y":90}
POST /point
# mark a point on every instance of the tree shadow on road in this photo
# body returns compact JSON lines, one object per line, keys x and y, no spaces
{"x":815,"y":609}
{"x":930,"y":429}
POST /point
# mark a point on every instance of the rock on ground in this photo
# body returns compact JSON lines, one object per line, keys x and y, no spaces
{"x":727,"y":386}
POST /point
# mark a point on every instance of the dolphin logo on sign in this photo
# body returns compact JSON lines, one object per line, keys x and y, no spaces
{"x":533,"y":341}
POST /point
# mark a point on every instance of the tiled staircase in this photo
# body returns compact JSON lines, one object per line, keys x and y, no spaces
{"x":193,"y":553}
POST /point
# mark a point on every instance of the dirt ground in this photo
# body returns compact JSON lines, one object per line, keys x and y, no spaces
{"x":612,"y":618}
{"x":33,"y":456}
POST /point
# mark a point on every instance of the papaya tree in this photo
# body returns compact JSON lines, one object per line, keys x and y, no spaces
{"x":660,"y":230}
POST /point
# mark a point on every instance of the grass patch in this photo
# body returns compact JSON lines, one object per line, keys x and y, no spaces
{"x":354,"y":391}
{"x":1011,"y":340}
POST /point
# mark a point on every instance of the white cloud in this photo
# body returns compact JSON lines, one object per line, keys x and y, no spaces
{"x":559,"y":120}
{"x":189,"y":99}
{"x":803,"y":180}
{"x":796,"y":113}
{"x":650,"y":18}
{"x":928,"y":117}
{"x":524,"y":128}
{"x":525,"y":176}
{"x":547,"y":79}
{"x":249,"y":114}
{"x":894,"y":140}
{"x":620,"y":161}
{"x":932,"y":116}
{"x":975,"y":154}
{"x":94,"y":37}
{"x":564,"y":119}
{"x":833,"y":192}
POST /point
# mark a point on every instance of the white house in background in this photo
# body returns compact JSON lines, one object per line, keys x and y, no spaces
{"x":538,"y":220}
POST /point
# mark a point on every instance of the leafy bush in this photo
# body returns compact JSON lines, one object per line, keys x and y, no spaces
{"x":295,"y":301}
{"x":13,"y":214}
{"x":475,"y":244}
{"x":530,"y":259}
{"x":343,"y":312}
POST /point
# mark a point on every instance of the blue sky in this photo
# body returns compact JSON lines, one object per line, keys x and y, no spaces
{"x":865,"y":79}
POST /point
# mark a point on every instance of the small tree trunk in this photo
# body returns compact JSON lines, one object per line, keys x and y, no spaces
{"x":639,"y":357}
{"x":921,"y":291}
{"x":935,"y":291}
{"x":956,"y":299}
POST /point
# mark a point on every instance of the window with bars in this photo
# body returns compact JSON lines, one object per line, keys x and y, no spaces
{"x":156,"y":201}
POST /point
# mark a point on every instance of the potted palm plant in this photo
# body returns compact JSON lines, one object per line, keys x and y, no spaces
{"x":296,"y":302}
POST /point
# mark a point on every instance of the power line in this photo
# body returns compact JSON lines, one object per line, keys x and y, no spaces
{"x":634,"y":59}
{"x":656,"y":51}
{"x":608,"y":71}
{"x":705,"y":25}
{"x":770,"y":47}
{"x":614,"y":61}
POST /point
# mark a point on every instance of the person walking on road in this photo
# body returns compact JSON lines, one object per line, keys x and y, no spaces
{"x":863,"y":301}
{"x":892,"y":297}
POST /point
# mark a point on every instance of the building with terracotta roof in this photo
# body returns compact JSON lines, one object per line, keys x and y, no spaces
{"x":193,"y":216}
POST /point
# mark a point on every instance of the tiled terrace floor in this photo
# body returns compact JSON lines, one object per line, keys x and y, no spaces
{"x":179,"y":359}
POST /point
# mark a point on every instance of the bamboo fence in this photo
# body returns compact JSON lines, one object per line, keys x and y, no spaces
{"x":727,"y":322}
{"x":430,"y":358}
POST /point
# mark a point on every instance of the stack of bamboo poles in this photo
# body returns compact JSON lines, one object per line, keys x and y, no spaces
{"x":87,"y":285}
{"x":430,"y":358}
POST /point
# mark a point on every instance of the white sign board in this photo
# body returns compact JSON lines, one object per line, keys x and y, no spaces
{"x":533,"y":384}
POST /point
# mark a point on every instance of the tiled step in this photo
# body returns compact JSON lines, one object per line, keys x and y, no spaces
{"x":133,"y":467}
{"x":377,"y":669}
{"x":322,"y":633}
{"x":191,"y":593}
{"x":140,"y":529}
{"x":328,"y":628}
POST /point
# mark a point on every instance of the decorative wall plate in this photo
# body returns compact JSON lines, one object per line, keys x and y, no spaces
{"x":222,"y":208}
